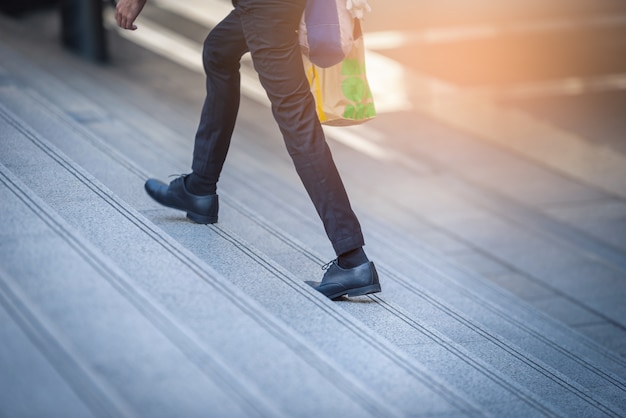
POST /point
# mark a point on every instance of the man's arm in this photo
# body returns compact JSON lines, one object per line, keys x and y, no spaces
{"x":127,"y":11}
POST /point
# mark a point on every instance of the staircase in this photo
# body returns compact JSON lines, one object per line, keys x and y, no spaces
{"x":112,"y":305}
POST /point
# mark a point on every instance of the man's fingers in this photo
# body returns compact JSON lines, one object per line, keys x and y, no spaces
{"x":125,"y":23}
{"x":124,"y":18}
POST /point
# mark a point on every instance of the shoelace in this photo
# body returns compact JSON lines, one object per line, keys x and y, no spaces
{"x":330,"y":263}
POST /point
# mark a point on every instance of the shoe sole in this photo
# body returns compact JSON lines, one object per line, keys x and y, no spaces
{"x":360,"y":291}
{"x":201,"y":219}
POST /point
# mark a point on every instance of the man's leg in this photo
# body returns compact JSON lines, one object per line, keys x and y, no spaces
{"x":195,"y":193}
{"x":270,"y":30}
{"x":221,"y":57}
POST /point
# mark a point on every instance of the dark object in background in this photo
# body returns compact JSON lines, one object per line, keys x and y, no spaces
{"x":82,"y":30}
{"x":18,"y":7}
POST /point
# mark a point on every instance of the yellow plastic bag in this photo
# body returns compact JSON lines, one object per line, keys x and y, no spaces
{"x":342,"y":93}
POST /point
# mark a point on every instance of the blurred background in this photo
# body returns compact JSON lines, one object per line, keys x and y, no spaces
{"x":559,"y":61}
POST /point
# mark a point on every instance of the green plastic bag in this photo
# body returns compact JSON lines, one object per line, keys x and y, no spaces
{"x":342,"y":93}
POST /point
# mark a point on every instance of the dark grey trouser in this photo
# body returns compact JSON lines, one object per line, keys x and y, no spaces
{"x":267,"y":28}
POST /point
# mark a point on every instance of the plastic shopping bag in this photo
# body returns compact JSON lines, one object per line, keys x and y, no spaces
{"x":326,"y":32}
{"x":342,"y":93}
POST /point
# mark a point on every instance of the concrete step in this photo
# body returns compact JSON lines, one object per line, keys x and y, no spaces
{"x":403,"y":386}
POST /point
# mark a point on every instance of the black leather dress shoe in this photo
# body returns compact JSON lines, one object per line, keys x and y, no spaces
{"x":200,"y":209}
{"x":357,"y":281}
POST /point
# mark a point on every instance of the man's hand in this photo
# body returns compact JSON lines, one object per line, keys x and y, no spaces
{"x":127,"y":11}
{"x":358,"y":8}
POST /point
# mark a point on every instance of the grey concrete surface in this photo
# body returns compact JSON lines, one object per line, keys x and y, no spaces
{"x":103,"y":348}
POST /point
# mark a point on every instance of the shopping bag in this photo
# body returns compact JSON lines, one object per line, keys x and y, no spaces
{"x":342,"y":93}
{"x":326,"y":32}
